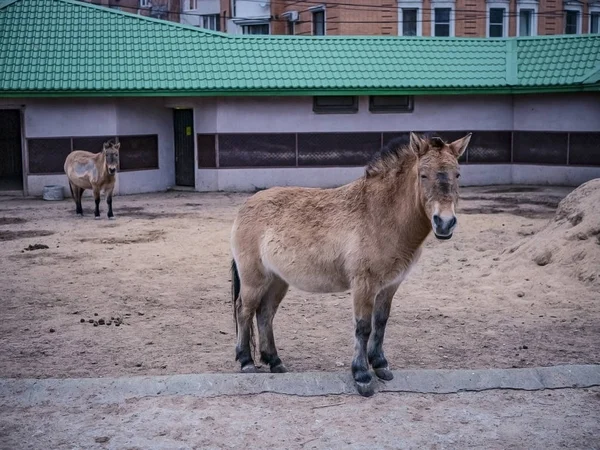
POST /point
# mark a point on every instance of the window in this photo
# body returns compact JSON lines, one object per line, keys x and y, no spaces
{"x":390,"y":103}
{"x":262,"y":28}
{"x":211,"y":22}
{"x":336,"y":105}
{"x":595,"y":22}
{"x":290,"y":28}
{"x":442,"y":21}
{"x":318,"y":20}
{"x":496,"y":22}
{"x":525,"y":21}
{"x":571,"y":21}
{"x":409,"y":22}
{"x":146,"y":3}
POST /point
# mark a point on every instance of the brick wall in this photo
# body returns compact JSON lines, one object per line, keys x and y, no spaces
{"x":548,"y":21}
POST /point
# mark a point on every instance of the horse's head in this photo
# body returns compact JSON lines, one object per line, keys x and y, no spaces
{"x":111,"y":154}
{"x":438,"y":180}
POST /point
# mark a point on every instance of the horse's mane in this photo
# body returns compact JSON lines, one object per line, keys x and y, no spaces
{"x":398,"y":154}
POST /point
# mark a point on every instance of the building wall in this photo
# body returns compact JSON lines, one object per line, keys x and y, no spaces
{"x":541,"y":138}
{"x":48,"y":119}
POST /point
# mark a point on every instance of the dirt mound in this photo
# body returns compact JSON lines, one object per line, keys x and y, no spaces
{"x":571,"y":240}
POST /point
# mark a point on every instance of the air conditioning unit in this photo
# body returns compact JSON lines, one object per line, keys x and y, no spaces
{"x":292,"y":16}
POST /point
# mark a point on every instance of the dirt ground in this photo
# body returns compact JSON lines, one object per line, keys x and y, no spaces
{"x":161,"y":272}
{"x":494,"y":420}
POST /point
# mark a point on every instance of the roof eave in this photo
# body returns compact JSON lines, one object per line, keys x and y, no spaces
{"x":302,"y":92}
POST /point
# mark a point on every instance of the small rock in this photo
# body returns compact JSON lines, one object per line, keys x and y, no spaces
{"x":138,"y":365}
{"x":82,"y":320}
{"x":91,"y":321}
{"x":102,"y":439}
{"x":140,"y":313}
{"x":109,"y":323}
{"x":101,"y":322}
{"x":95,"y":314}
{"x":52,"y":330}
{"x":117,"y":324}
{"x":339,"y":364}
{"x":163,"y":367}
{"x":95,"y":323}
{"x":520,"y":294}
{"x":525,"y":347}
{"x":222,"y":332}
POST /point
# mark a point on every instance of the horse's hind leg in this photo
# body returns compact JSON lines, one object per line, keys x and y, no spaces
{"x":77,"y":192}
{"x":249,"y":300}
{"x":264,"y":318}
{"x":381,"y":313}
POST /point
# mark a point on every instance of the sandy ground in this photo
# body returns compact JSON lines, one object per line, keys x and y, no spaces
{"x":491,"y":420}
{"x":162,"y":268}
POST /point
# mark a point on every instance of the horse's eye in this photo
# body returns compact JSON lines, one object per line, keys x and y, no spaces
{"x":458,"y":175}
{"x":424,"y":177}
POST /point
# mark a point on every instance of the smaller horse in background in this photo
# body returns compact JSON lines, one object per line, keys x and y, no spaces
{"x":95,"y":171}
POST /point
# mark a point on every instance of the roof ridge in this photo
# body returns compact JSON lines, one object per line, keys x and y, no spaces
{"x":593,"y":76}
{"x":5,"y":3}
{"x":139,"y":17}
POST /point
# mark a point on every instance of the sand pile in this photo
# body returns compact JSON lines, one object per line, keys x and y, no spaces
{"x":570,"y":242}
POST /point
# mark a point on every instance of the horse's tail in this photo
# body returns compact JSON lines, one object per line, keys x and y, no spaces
{"x":236,"y":300}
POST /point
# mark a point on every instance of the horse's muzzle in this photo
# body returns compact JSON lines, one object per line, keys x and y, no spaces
{"x":112,"y":171}
{"x":443,"y":227}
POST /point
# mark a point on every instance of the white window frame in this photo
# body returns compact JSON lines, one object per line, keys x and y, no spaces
{"x":500,"y":4}
{"x":410,"y":4}
{"x":291,"y":19}
{"x":577,"y":7}
{"x":593,"y":8}
{"x":209,"y":18}
{"x":435,"y":4}
{"x":316,"y":9}
{"x":145,"y":4}
{"x":531,"y":5}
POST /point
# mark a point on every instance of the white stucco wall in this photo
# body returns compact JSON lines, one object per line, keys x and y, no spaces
{"x":557,"y":112}
{"x":295,"y":114}
{"x":45,"y":118}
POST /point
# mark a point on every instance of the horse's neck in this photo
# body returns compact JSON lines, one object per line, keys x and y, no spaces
{"x":101,"y":164}
{"x":398,"y":208}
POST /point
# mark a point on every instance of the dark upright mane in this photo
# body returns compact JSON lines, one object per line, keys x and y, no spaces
{"x":394,"y":155}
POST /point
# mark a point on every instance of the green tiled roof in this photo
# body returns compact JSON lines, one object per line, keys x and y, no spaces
{"x":63,"y":47}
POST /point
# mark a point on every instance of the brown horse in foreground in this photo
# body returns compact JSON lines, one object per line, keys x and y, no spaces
{"x":364,"y":237}
{"x":95,"y":171}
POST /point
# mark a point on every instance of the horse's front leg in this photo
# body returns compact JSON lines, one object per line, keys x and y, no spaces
{"x":363,"y":299}
{"x":97,"y":201}
{"x":109,"y":194}
{"x":381,"y":313}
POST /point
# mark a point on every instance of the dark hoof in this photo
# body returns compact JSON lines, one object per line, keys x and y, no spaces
{"x":249,"y":368}
{"x":384,"y":373}
{"x":279,"y":368}
{"x":365,"y":389}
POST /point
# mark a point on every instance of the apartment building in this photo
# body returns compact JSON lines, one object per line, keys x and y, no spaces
{"x":460,"y":18}
{"x":158,"y":9}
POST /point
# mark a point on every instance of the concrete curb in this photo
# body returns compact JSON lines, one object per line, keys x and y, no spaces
{"x":27,"y":392}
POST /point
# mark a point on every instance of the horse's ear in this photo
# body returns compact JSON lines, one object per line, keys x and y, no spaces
{"x":459,"y":146}
{"x":117,"y":146}
{"x":417,"y":144}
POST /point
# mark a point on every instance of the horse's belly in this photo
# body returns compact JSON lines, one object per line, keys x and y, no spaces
{"x":309,"y":276}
